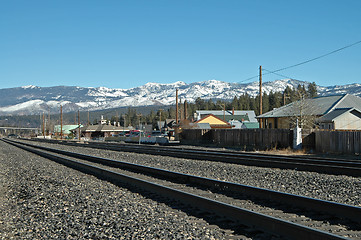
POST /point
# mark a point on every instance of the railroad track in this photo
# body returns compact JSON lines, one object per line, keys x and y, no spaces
{"x":286,"y":215}
{"x":305,"y":163}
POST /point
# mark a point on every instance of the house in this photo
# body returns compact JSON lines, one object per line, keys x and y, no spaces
{"x":66,"y":129}
{"x":237,"y":119}
{"x":228,"y":115}
{"x":307,"y":111}
{"x":101,"y":131}
{"x":211,"y":121}
{"x":341,"y":119}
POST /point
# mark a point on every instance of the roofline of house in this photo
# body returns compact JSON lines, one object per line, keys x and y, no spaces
{"x":214,"y":117}
{"x":342,"y":96}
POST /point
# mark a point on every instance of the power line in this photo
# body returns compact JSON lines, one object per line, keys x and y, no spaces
{"x":307,"y":61}
{"x":316,"y":58}
{"x":269,"y":72}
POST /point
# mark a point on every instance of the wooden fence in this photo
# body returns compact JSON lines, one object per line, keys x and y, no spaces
{"x":348,"y":142}
{"x":247,"y":139}
{"x":324,"y":141}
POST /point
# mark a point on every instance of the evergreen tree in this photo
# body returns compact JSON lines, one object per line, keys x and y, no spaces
{"x":312,"y":90}
{"x":235,"y":103}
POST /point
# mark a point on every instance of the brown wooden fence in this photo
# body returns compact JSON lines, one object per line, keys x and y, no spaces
{"x":247,"y":139}
{"x":348,"y":142}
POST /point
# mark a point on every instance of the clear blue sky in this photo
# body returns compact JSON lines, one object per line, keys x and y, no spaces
{"x":124,"y":44}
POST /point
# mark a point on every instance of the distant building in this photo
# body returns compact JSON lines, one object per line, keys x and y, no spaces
{"x":101,"y":131}
{"x":311,"y":109}
{"x":341,"y":119}
{"x":67,"y":129}
{"x":237,"y":119}
{"x":211,"y":121}
{"x":228,"y":115}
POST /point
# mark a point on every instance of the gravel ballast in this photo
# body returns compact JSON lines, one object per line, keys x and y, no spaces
{"x":40,"y":199}
{"x":336,"y":188}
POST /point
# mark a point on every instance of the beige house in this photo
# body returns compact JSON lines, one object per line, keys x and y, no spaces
{"x":307,"y":111}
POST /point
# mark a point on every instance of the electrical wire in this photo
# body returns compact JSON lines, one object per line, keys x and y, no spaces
{"x":307,"y":61}
{"x":278,"y":74}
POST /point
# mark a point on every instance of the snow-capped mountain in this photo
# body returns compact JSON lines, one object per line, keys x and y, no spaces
{"x":35,"y":100}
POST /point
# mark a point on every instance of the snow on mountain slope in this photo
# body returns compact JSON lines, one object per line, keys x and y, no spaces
{"x":35,"y":100}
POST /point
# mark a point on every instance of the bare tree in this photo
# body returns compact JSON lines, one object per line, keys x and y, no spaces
{"x":304,"y":111}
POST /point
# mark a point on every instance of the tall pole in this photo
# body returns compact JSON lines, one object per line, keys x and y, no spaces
{"x":224,"y":112}
{"x":260,"y":93}
{"x":176,"y":106}
{"x":61,"y":122}
{"x":41,"y":127}
{"x":185,"y":109}
{"x":43,"y":124}
{"x":88,"y":119}
{"x":78,"y":126}
{"x":180,"y":110}
{"x":176,"y":115}
{"x":284,"y":98}
{"x":160,"y":118}
{"x":49,"y":119}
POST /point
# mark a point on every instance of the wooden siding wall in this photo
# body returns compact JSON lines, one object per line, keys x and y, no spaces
{"x":348,"y":142}
{"x":247,"y":139}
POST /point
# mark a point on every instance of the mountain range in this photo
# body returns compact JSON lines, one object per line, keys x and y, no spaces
{"x":29,"y":100}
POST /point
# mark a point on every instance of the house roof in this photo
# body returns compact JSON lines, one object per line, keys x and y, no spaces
{"x":331,"y":116}
{"x":216,"y":120}
{"x":103,"y":128}
{"x":246,"y":115}
{"x":317,"y":106}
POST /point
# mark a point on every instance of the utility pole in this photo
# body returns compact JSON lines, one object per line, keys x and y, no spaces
{"x":176,"y":106}
{"x":176,"y":115}
{"x":140,"y":130}
{"x":180,"y":110}
{"x":260,"y":93}
{"x":49,"y":120}
{"x":160,"y":115}
{"x":185,"y":110}
{"x":78,"y":126}
{"x":223,"y":105}
{"x":284,"y":97}
{"x":43,"y":124}
{"x":61,"y":122}
{"x":88,"y":119}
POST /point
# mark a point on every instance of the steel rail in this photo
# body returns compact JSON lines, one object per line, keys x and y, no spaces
{"x":270,"y":161}
{"x":234,"y":152}
{"x":146,"y":147}
{"x":252,"y":219}
{"x":298,"y":159}
{"x":332,"y":208}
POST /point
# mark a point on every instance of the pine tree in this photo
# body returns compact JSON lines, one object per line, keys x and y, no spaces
{"x":312,"y":90}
